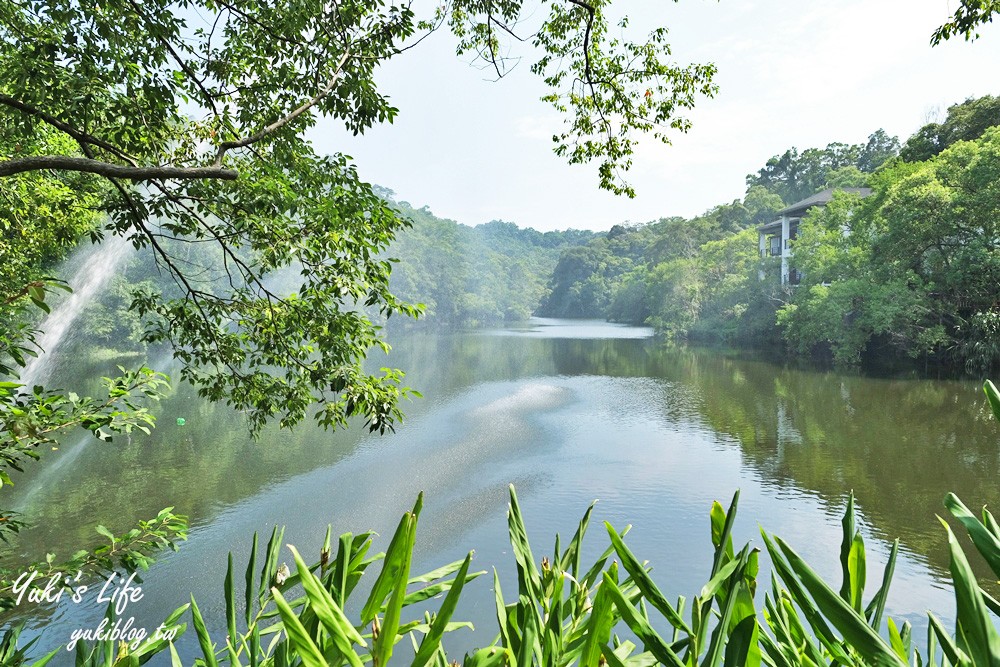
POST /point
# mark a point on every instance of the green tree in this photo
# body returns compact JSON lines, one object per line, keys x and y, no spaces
{"x":913,"y":268}
{"x":965,"y":121}
{"x":193,"y":118}
{"x":474,"y":276}
{"x":43,"y":215}
{"x":794,"y":176}
{"x":761,"y":204}
{"x":578,"y":287}
{"x":937,"y":221}
{"x":880,"y":148}
{"x":968,"y":16}
{"x":841,"y":304}
{"x":846,"y":177}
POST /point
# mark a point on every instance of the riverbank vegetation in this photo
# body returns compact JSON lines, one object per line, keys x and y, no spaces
{"x":475,"y":276}
{"x":909,"y":271}
{"x":461,"y":277}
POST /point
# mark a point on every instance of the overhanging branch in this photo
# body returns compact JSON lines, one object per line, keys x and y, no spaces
{"x":285,"y":120}
{"x":82,"y":137}
{"x":109,"y":170}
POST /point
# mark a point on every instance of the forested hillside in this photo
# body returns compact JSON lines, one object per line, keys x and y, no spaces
{"x":475,"y":276}
{"x":909,"y":271}
{"x":914,"y":275}
{"x":464,"y":276}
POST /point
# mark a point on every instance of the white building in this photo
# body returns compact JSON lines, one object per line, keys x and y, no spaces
{"x":777,"y":237}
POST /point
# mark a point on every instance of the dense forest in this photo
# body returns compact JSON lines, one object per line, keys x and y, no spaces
{"x":475,"y":276}
{"x":909,"y":271}
{"x":462,"y":276}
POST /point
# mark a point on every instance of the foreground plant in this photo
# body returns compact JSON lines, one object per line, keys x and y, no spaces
{"x":566,"y":614}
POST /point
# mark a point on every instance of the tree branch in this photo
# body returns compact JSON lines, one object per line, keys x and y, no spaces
{"x":109,"y":170}
{"x":177,"y":59}
{"x":285,"y":120}
{"x":586,"y":36}
{"x":79,"y":135}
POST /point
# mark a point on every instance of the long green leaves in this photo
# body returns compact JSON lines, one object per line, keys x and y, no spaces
{"x":983,"y":533}
{"x":561,"y":618}
{"x":975,"y":627}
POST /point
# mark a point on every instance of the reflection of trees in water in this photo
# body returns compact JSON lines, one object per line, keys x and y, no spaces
{"x":448,"y":362}
{"x":900,"y":444}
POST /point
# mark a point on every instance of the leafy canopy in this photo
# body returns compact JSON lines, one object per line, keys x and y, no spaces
{"x":187,"y":118}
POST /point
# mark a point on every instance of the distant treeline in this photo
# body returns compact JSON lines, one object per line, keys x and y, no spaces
{"x":475,"y":276}
{"x":912,"y":270}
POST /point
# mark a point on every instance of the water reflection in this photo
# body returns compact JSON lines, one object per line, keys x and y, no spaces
{"x":655,"y":432}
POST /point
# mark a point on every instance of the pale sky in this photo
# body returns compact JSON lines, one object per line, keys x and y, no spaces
{"x":791,"y":73}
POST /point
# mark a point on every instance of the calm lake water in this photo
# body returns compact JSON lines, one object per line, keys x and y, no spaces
{"x":569,"y":412}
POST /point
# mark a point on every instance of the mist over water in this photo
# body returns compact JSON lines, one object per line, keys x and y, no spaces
{"x":87,"y":271}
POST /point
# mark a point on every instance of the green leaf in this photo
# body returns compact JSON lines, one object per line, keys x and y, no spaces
{"x":570,"y":559}
{"x":529,"y":579}
{"x":204,"y":640}
{"x":598,"y":628}
{"x":651,"y":641}
{"x":386,"y":580}
{"x":876,"y":608}
{"x":973,"y":619}
{"x":856,"y":560}
{"x":895,"y":640}
{"x":986,"y":542}
{"x":645,"y":583}
{"x":330,"y":615}
{"x":610,"y":657}
{"x":851,"y":624}
{"x":529,"y":652}
{"x":722,"y":527}
{"x":846,"y":544}
{"x":432,"y":640}
{"x":397,"y":572}
{"x":501,"y":609}
{"x":305,"y":647}
{"x":709,"y":590}
{"x":491,"y":656}
{"x":249,"y":578}
{"x":720,"y":634}
{"x":230,"y":594}
{"x":743,"y":648}
{"x":41,"y":662}
{"x":954,"y":654}
{"x":993,"y":396}
{"x":270,"y":567}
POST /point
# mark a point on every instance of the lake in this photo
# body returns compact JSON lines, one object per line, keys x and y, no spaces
{"x":569,"y":412}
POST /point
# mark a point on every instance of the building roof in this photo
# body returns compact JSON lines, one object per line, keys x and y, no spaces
{"x":771,"y":226}
{"x":799,"y":208}
{"x":821,"y":199}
